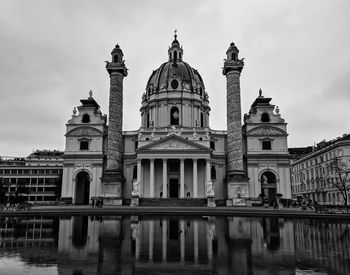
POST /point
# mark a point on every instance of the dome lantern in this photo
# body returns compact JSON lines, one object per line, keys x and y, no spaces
{"x":175,"y":51}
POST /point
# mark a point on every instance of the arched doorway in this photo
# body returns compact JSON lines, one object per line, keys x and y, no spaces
{"x":268,"y":186}
{"x":82,"y":190}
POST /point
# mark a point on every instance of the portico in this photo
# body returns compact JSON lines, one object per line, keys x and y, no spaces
{"x":173,"y":168}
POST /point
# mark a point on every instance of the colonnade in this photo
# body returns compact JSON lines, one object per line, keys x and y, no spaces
{"x":181,"y":177}
{"x":187,"y":240}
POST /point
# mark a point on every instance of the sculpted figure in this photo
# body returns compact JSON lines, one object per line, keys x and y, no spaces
{"x":210,"y":188}
{"x":136,"y":189}
{"x":264,"y":179}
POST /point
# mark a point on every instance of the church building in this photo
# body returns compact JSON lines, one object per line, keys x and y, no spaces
{"x":175,"y":156}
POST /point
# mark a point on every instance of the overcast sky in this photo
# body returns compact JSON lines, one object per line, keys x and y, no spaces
{"x":52,"y":53}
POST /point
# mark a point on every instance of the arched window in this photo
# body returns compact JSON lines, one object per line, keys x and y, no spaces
{"x":200,"y":91}
{"x":233,"y":56}
{"x":115,"y":58}
{"x":86,"y":118}
{"x":148,"y":122}
{"x":174,"y":116}
{"x":265,"y":117}
{"x":202,"y":120}
{"x":175,"y":55}
{"x":180,"y":55}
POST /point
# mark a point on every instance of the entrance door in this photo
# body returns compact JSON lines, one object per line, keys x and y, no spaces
{"x":82,"y":195}
{"x":173,"y":188}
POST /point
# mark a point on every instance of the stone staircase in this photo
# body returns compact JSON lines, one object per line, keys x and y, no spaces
{"x":172,"y":202}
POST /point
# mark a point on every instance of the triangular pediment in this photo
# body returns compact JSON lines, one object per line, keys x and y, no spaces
{"x":265,"y":130}
{"x":84,"y":131}
{"x":173,"y":143}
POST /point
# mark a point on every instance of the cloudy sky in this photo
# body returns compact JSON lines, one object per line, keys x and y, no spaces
{"x":52,"y":53}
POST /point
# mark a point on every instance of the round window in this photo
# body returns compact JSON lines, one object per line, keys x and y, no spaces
{"x":174,"y":84}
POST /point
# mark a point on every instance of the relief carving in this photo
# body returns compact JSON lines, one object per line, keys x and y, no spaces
{"x":173,"y":144}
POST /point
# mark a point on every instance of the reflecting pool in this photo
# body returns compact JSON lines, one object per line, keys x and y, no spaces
{"x":173,"y":245}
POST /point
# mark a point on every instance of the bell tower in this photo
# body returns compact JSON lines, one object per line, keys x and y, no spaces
{"x":113,"y":175}
{"x":236,"y":177}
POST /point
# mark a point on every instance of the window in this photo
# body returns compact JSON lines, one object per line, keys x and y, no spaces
{"x":148,"y":120}
{"x":134,"y":172}
{"x":213,"y":173}
{"x":265,"y":117}
{"x":84,"y":145}
{"x":233,"y":56}
{"x":136,"y":144}
{"x":115,"y":58}
{"x":266,"y":144}
{"x":202,"y":120}
{"x":212,"y":145}
{"x":86,"y":118}
{"x":175,"y":57}
{"x":174,"y":116}
{"x":174,"y":84}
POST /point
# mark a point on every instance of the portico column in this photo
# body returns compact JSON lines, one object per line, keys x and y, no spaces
{"x":151,"y":178}
{"x":208,"y":176}
{"x":150,"y":238}
{"x":164,"y":239}
{"x":182,"y":178}
{"x":195,"y":240}
{"x":165,"y":178}
{"x":195,"y":179}
{"x":182,"y":239}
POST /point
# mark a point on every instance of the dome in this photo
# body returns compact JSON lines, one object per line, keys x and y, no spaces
{"x":179,"y":70}
{"x":175,"y":94}
{"x":186,"y":78}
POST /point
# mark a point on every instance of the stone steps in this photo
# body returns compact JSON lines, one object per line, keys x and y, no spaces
{"x":173,"y":202}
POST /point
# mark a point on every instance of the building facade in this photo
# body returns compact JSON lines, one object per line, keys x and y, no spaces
{"x":36,"y":178}
{"x":314,"y":178}
{"x":175,"y":154}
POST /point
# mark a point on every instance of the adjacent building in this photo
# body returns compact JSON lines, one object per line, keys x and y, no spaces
{"x":313,"y":177}
{"x":36,"y":178}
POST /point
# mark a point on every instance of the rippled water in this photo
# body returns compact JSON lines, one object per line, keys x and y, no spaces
{"x":173,"y":245}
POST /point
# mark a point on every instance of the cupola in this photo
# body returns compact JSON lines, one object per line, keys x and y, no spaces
{"x":232,"y":52}
{"x":117,"y":55}
{"x":175,"y":51}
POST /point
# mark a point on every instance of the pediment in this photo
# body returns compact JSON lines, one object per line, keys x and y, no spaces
{"x":173,"y":143}
{"x":266,"y":131}
{"x":84,"y":131}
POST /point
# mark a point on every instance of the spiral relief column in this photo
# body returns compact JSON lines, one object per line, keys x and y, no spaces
{"x":113,"y":176}
{"x":237,"y":181}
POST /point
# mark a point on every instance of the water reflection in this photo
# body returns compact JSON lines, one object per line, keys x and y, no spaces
{"x":165,"y":244}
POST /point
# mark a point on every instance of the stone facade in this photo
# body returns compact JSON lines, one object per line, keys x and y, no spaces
{"x":83,"y":158}
{"x":174,"y":154}
{"x":265,"y":137}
